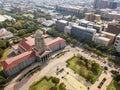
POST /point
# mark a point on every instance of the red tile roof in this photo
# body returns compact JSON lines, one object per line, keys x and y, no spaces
{"x":14,"y":61}
{"x":15,"y":46}
{"x":56,"y":41}
{"x":27,"y":43}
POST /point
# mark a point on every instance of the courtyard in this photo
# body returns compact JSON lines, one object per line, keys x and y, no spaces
{"x":90,"y":70}
{"x":113,"y":86}
{"x":47,"y":83}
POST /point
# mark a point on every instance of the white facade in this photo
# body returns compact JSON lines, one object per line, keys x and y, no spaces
{"x":117,"y":43}
{"x":67,"y":30}
{"x":58,"y":47}
{"x":20,"y":66}
{"x":4,"y":34}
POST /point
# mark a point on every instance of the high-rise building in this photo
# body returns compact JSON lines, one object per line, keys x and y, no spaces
{"x":99,"y":4}
{"x":113,"y":5}
{"x":96,"y":2}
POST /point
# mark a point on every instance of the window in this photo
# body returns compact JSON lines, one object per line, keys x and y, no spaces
{"x":118,"y":38}
{"x":115,"y":44}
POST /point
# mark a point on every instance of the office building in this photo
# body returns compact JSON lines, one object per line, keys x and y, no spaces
{"x":90,"y":24}
{"x":83,"y":32}
{"x":99,"y":4}
{"x":60,"y":25}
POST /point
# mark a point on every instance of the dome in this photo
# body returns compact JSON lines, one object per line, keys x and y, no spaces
{"x":38,"y":33}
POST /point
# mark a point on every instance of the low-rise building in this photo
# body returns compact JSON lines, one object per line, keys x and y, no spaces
{"x":4,"y":34}
{"x":31,"y":50}
{"x":117,"y":43}
{"x":6,"y":17}
{"x":48,"y":23}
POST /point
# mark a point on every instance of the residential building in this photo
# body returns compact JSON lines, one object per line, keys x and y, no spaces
{"x":83,"y":32}
{"x":117,"y":43}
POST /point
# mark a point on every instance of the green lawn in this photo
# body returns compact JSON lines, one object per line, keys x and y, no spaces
{"x":43,"y":84}
{"x":83,"y":69}
{"x":6,"y":52}
{"x":114,"y":86}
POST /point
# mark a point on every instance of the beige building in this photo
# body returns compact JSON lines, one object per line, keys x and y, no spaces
{"x":104,"y":38}
{"x":92,"y":17}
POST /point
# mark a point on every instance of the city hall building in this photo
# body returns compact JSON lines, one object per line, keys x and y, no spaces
{"x":29,"y":51}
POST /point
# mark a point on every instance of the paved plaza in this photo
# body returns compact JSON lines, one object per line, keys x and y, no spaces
{"x":75,"y":83}
{"x":74,"y":79}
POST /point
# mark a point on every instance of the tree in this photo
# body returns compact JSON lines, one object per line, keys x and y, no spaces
{"x":90,"y":77}
{"x":55,"y":80}
{"x":111,"y":51}
{"x":1,"y":52}
{"x":53,"y":88}
{"x":95,"y":68}
{"x":22,"y":32}
{"x":74,"y":41}
{"x":62,"y":86}
{"x":2,"y":80}
{"x":112,"y":58}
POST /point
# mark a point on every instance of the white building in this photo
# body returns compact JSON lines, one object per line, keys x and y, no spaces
{"x":4,"y":34}
{"x":110,"y":14}
{"x":117,"y":43}
{"x":67,"y":30}
{"x":6,"y":17}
